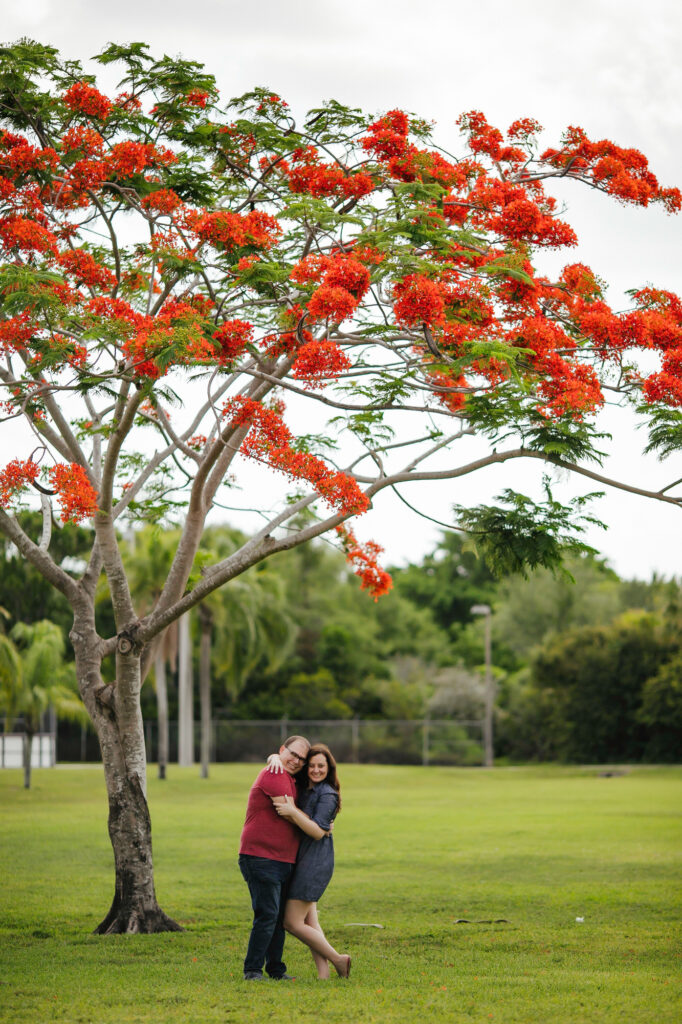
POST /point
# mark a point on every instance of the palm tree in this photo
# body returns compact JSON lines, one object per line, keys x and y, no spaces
{"x":252,"y":627}
{"x":33,"y":677}
{"x":248,"y":618}
{"x":148,"y":561}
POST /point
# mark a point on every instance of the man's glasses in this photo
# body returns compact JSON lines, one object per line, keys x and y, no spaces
{"x":299,"y":757}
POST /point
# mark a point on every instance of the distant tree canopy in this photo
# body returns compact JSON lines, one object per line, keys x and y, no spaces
{"x":25,"y":594}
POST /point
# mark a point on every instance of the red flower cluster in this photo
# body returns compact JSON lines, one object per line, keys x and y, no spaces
{"x":509,"y":210}
{"x":16,"y":332}
{"x":345,"y":281}
{"x":569,"y":388}
{"x":368,"y":254}
{"x":26,"y":236}
{"x":664,"y":386}
{"x":164,"y":200}
{"x":581,"y":281}
{"x":363,"y":558}
{"x":318,"y":362}
{"x":84,"y":268}
{"x":330,"y":303}
{"x":347,"y":273}
{"x":623,"y":173}
{"x":524,"y":128}
{"x":387,"y":140}
{"x":387,"y":137}
{"x":196,"y":98}
{"x":76,"y":496}
{"x":20,"y":156}
{"x":522,"y":219}
{"x":276,"y":345}
{"x":143,"y":349}
{"x":600,"y":324}
{"x":489,"y":141}
{"x":114,"y":309}
{"x":14,"y":477}
{"x":418,"y":301}
{"x":310,"y":268}
{"x":87,"y":100}
{"x":129,"y":158}
{"x":270,"y":441}
{"x":307,"y":174}
{"x":231,"y":339}
{"x":423,"y":165}
{"x":454,"y":211}
{"x":227,"y":230}
{"x":88,"y":141}
{"x":540,"y":335}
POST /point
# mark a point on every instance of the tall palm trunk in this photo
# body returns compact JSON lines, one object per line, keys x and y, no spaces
{"x":206,"y":621}
{"x":162,"y":712}
{"x":185,"y":694}
{"x":26,"y":750}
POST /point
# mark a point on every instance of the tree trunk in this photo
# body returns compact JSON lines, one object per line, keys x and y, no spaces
{"x":185,"y":694}
{"x":26,"y":747}
{"x":115,"y":712}
{"x":134,"y":907}
{"x":206,"y":619}
{"x":162,"y":712}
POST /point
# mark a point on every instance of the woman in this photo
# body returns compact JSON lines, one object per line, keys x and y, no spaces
{"x":319,"y":803}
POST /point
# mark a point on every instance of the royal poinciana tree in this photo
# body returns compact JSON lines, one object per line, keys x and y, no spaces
{"x":180,"y":268}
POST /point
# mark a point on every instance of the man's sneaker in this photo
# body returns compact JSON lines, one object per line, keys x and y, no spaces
{"x":253,"y":976}
{"x":282,"y":977}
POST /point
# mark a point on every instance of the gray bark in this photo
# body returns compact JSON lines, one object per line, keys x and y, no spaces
{"x":116,"y":715}
{"x":185,"y":694}
{"x":162,"y":712}
{"x":26,"y":747}
{"x":206,"y":620}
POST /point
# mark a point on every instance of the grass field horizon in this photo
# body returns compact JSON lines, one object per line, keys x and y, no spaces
{"x":521,"y":854}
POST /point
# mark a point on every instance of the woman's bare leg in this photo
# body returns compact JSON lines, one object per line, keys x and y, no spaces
{"x":321,"y":962}
{"x":295,"y":914}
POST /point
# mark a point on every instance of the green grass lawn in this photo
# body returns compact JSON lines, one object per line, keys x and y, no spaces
{"x":416,"y":848}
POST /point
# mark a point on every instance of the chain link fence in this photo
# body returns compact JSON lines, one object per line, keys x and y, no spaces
{"x":360,"y":741}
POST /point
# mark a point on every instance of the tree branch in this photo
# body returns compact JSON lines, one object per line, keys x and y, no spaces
{"x":38,"y":557}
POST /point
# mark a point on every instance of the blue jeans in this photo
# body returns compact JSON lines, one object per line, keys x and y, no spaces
{"x":268,"y":881}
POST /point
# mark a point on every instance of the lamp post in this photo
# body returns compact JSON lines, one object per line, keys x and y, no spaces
{"x":484,"y":609}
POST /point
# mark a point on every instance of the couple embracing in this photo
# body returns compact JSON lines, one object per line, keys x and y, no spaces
{"x":286,"y":856}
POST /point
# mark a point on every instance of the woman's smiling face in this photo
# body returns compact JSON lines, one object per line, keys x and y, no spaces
{"x":317,"y":768}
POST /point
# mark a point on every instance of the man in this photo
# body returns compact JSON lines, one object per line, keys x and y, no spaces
{"x":267,"y":854}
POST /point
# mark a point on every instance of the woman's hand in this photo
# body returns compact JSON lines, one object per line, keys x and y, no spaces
{"x":275,"y":764}
{"x":287,"y":809}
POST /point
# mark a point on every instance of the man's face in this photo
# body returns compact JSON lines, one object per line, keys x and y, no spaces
{"x":293,"y":757}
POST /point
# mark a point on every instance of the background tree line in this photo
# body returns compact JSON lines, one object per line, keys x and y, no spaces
{"x":589,"y":670}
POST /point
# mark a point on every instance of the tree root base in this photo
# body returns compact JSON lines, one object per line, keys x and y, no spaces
{"x":135,"y":922}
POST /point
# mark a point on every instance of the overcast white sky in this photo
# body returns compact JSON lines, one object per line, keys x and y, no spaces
{"x":611,"y":66}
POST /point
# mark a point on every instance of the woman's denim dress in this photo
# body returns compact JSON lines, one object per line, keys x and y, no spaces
{"x":315,"y":862}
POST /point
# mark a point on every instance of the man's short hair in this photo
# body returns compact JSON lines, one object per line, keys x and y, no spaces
{"x":290,"y":739}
